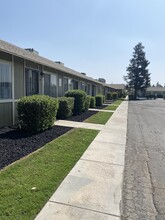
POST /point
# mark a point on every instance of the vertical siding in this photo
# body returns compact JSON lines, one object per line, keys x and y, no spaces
{"x":5,"y":114}
{"x":18,"y":78}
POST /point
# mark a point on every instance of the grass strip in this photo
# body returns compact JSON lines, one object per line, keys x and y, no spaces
{"x":26,"y":185}
{"x":118,"y":102}
{"x":111,"y":107}
{"x":114,"y":106}
{"x":99,"y":118}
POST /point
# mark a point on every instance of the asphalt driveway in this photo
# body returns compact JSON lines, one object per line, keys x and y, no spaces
{"x":144,"y":176}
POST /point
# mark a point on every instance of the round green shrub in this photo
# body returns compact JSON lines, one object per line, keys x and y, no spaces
{"x":103,"y":98}
{"x":109,"y":95}
{"x":36,"y":113}
{"x":99,"y":100}
{"x":87,"y":102}
{"x":66,"y":106}
{"x":79,"y":100}
{"x":114,"y":95}
{"x":92,"y":102}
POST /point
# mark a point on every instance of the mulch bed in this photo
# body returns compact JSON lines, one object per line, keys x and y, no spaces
{"x":15,"y":144}
{"x":82,"y":117}
{"x":101,"y":107}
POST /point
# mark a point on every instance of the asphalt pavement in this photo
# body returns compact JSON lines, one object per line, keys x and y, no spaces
{"x":144,"y":174}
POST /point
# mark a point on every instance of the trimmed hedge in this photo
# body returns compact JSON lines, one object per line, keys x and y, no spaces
{"x":120,"y":95}
{"x":109,"y":95}
{"x":99,"y":100}
{"x":79,"y":100}
{"x":87,"y":102}
{"x":92,"y":102}
{"x":103,"y":98}
{"x":36,"y":113}
{"x":66,"y":105}
{"x":114,"y":95}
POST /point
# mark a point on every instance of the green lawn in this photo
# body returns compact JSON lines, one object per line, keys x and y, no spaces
{"x":118,"y":102}
{"x":45,"y":169}
{"x":99,"y":118}
{"x":114,"y":105}
{"x":111,"y":107}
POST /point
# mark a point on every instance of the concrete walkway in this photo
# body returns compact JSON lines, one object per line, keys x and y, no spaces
{"x":92,"y":189}
{"x":75,"y":124}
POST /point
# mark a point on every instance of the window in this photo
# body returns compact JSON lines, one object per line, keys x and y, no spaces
{"x":5,"y":81}
{"x":75,"y":84}
{"x":70,"y":87}
{"x":65,"y":84}
{"x":50,"y":85}
{"x":97,"y":89}
{"x":46,"y":84}
{"x":53,"y":80}
{"x":82,"y":86}
{"x":31,"y":77}
{"x":93,"y":90}
{"x":60,"y":82}
{"x":89,"y":89}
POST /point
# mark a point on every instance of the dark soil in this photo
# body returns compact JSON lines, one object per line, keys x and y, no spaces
{"x":82,"y":117}
{"x":15,"y":144}
{"x":101,"y":107}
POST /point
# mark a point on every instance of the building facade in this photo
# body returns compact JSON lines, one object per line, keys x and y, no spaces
{"x":23,"y":73}
{"x":157,"y":92}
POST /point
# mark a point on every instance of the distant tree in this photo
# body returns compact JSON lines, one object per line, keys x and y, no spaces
{"x":158,"y":84}
{"x":138,"y":76}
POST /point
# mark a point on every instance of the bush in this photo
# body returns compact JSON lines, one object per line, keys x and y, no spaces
{"x":99,"y":100}
{"x":124,"y":94}
{"x":36,"y":113}
{"x":79,"y":100}
{"x":103,"y":98}
{"x":120,"y":95}
{"x":114,"y":95}
{"x":87,"y":102}
{"x":92,"y":102}
{"x":109,"y":95}
{"x":66,"y":105}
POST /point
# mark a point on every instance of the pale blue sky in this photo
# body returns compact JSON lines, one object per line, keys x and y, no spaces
{"x":92,"y":36}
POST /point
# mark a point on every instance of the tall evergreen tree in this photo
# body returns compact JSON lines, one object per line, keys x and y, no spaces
{"x":138,"y":76}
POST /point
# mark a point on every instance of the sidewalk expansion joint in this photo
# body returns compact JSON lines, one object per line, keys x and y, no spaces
{"x":83,"y":208}
{"x":109,"y":142}
{"x":96,"y":161}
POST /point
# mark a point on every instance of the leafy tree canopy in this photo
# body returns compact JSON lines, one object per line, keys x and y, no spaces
{"x":138,"y":76}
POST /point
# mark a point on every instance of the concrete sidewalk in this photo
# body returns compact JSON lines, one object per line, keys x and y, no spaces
{"x":92,"y":189}
{"x":75,"y":124}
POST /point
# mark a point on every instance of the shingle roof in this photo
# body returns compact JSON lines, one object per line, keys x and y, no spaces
{"x":155,"y":89}
{"x":17,"y":51}
{"x":117,"y":86}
